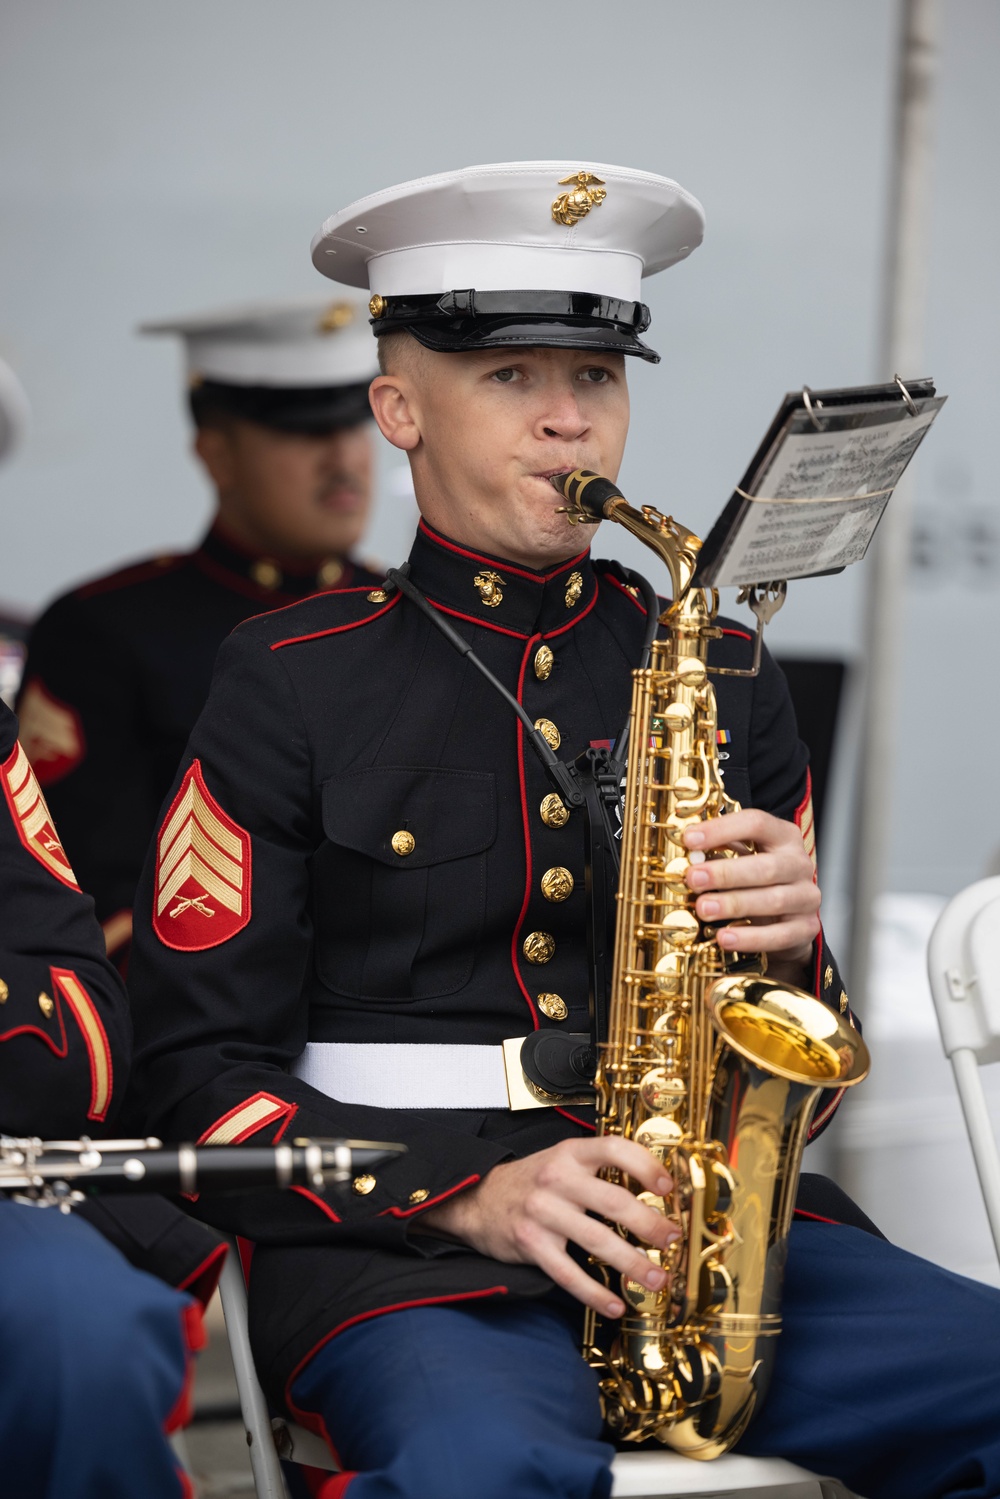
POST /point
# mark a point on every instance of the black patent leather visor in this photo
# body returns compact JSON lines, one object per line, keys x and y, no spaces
{"x":312,"y":411}
{"x":459,"y":321}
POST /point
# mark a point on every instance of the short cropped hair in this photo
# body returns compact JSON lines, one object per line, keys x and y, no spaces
{"x":396,"y":351}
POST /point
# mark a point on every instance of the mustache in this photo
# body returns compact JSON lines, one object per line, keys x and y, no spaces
{"x":330,"y":483}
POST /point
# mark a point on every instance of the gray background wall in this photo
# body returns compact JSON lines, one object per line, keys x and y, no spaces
{"x":162,"y":159}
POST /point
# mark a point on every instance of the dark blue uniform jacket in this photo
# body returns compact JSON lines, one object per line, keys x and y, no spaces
{"x":332,"y":725}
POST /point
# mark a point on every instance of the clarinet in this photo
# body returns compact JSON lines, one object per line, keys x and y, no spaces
{"x":58,"y":1173}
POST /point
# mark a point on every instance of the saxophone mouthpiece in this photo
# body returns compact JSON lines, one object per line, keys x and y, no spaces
{"x":588,"y":494}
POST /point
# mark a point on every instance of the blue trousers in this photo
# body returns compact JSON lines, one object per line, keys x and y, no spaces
{"x":887,"y":1377}
{"x":93,"y":1360}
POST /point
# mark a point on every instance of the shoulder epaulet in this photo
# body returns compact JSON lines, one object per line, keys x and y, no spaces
{"x":136,"y":572}
{"x":322,"y":614}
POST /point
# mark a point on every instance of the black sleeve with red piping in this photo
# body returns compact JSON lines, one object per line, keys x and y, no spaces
{"x":65,"y":1033}
{"x":223,"y":945}
{"x":80,"y":711}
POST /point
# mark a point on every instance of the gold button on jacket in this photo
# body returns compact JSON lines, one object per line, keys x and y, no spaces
{"x":553,"y":1005}
{"x":538,"y":947}
{"x":363,"y":1185}
{"x":557,"y":883}
{"x":554,"y":811}
{"x":543,"y":663}
{"x":549,"y":732}
{"x":403,"y":843}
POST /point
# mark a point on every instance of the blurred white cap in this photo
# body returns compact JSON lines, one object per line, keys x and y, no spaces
{"x":278,"y":344}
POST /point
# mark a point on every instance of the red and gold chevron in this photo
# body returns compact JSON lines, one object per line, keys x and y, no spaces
{"x":202,"y":895}
{"x":32,"y":817}
{"x":253,"y":1114}
{"x":51,"y":732}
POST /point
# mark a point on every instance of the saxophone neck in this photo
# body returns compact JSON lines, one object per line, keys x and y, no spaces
{"x":592,"y":498}
{"x":673,"y":543}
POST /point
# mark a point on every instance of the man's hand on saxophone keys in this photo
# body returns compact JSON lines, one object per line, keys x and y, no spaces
{"x":526,"y":1211}
{"x":772,"y":888}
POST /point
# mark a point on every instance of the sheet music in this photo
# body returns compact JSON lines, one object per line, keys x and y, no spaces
{"x":818,"y":501}
{"x":815,"y":465}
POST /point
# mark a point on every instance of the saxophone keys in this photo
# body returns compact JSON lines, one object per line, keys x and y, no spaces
{"x":658,"y":1136}
{"x":680,"y":928}
{"x":662,"y":1092}
{"x":691,"y":671}
{"x":677,"y":717}
{"x":640,"y":1298}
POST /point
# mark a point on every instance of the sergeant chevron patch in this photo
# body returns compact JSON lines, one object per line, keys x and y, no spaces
{"x":51,"y":733}
{"x":32,"y":817}
{"x":202,"y":895}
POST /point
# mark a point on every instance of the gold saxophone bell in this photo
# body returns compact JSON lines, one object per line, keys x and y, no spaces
{"x":717,"y":1073}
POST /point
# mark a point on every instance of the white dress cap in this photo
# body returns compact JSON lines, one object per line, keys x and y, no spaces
{"x":14,"y":410}
{"x":280,"y":344}
{"x":567,"y":226}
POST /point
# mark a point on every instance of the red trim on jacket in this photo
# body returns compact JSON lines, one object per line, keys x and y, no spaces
{"x":336,"y":1487}
{"x":623,"y":588}
{"x":527,"y":839}
{"x":136,"y":572}
{"x":35,"y":1030}
{"x":551,"y":634}
{"x":816,"y":1217}
{"x":825,"y":1115}
{"x":317,"y":1202}
{"x":338,"y":629}
{"x":421,"y":1207}
{"x":309,"y":1419}
{"x":283,"y":1110}
{"x":246,"y":1248}
{"x":194,"y":1339}
{"x":518,"y":572}
{"x":800,"y":810}
{"x":295,"y":603}
{"x":203,"y":1280}
{"x":472,"y":620}
{"x":743,"y":634}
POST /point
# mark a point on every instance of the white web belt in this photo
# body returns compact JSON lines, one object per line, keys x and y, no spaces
{"x":399,"y":1076}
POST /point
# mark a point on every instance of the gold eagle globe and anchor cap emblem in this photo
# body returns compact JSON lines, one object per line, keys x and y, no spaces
{"x":586,"y":192}
{"x":338,"y":315}
{"x":490,"y":592}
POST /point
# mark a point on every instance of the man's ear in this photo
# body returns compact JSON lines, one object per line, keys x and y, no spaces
{"x":391,"y":403}
{"x":213,"y":446}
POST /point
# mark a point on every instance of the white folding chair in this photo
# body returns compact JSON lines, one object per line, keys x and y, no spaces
{"x":647,"y":1474}
{"x":963,"y":963}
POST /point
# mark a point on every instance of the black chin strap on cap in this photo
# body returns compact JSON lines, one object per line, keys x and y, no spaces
{"x":390,"y":313}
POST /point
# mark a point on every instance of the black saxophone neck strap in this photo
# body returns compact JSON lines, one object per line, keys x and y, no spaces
{"x":592,"y":783}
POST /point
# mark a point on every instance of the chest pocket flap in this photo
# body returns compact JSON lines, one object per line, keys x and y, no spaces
{"x":448,"y":814}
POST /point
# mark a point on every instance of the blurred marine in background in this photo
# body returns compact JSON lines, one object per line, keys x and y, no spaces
{"x":119,"y":669}
{"x":95,"y":1353}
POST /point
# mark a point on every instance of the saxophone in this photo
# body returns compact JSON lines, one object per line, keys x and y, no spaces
{"x":711,"y":1066}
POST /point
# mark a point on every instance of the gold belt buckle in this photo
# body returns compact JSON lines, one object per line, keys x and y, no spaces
{"x":522,"y":1093}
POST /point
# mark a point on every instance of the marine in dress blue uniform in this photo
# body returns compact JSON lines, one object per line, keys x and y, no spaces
{"x":119,"y":668}
{"x":94,"y":1351}
{"x":364,"y":884}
